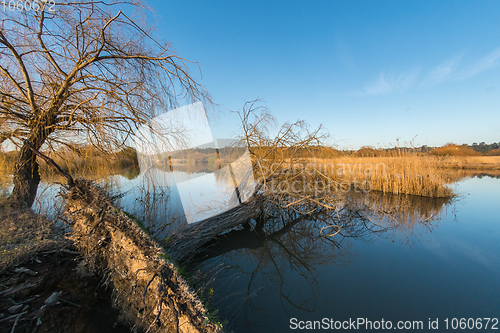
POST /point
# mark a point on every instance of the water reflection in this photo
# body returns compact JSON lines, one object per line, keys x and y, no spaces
{"x":340,"y":262}
{"x":406,"y":216}
{"x":131,"y":173}
{"x":358,"y":216}
{"x":288,"y":249}
{"x":283,"y":248}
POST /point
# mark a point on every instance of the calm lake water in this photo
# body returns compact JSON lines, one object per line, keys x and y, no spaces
{"x":445,"y":268}
{"x":396,"y":259}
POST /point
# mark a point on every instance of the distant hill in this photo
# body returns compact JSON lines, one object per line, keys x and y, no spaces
{"x":485,"y":148}
{"x":455,"y":150}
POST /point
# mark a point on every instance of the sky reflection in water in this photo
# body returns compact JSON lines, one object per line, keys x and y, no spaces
{"x":449,"y":267}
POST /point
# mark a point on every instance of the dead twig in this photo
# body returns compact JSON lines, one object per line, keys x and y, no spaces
{"x":59,"y":298}
{"x":17,"y":319}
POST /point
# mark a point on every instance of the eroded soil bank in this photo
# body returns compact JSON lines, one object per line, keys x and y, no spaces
{"x":42,"y":288}
{"x":83,"y":303}
{"x":147,"y":286}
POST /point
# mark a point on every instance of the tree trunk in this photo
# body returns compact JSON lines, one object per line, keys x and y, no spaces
{"x":26,"y":177}
{"x":189,"y":241}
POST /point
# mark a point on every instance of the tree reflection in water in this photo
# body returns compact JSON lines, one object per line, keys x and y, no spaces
{"x":288,"y":242}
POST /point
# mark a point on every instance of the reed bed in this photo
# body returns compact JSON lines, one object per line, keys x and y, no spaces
{"x":89,"y":163}
{"x":406,"y":172}
{"x":426,"y":176}
{"x":468,"y":162}
{"x":399,"y":175}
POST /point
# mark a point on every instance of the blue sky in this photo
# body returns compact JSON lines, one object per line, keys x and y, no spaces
{"x":372,"y":72}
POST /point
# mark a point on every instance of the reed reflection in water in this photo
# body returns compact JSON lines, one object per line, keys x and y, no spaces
{"x":288,"y":250}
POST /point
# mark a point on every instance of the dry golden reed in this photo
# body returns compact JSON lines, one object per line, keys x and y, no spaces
{"x":426,"y":176}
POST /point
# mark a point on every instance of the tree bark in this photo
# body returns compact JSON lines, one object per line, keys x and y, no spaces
{"x":189,"y":241}
{"x":26,"y":177}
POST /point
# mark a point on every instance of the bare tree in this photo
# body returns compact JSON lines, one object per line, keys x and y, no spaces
{"x":285,"y":180}
{"x":83,"y":68}
{"x":282,"y":161}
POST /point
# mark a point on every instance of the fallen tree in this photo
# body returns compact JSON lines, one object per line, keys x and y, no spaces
{"x":274,"y":161}
{"x":147,"y":286}
{"x":189,"y":242}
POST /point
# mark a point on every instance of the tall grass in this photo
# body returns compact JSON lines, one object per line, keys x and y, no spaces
{"x":411,"y":173}
{"x":468,"y":162}
{"x":23,"y":234}
{"x":6,"y":162}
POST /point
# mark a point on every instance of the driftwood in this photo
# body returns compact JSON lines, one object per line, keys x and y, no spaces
{"x":189,"y":241}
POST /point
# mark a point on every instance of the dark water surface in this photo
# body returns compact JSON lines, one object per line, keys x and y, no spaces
{"x":445,"y":267}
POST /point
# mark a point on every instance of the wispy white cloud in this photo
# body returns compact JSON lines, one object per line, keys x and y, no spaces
{"x":487,"y":62}
{"x":442,"y":72}
{"x":378,"y":88}
{"x":452,"y":69}
{"x":389,"y":84}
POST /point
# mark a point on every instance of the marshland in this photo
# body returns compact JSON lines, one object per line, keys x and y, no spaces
{"x":249,"y":167}
{"x":345,"y":217}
